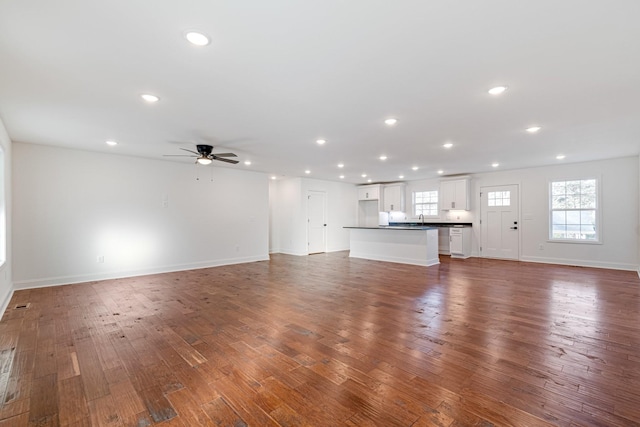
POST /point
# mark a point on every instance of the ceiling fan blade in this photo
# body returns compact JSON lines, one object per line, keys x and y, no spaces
{"x":215,"y":157}
{"x":225,"y":155}
{"x":191,"y":151}
{"x":178,"y":155}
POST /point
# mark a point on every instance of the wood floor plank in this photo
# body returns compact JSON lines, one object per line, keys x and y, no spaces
{"x":328,"y":340}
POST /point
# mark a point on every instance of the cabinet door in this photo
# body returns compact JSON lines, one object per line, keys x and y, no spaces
{"x":455,"y":194}
{"x":456,"y":241}
{"x":369,"y":193}
{"x":448,"y":190}
{"x":392,"y":198}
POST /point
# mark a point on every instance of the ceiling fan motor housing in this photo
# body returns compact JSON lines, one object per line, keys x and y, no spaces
{"x":205,"y":150}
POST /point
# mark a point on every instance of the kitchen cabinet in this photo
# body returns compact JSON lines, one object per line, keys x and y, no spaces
{"x":369,"y":192}
{"x":460,"y":242}
{"x":455,"y":194}
{"x":393,"y":197}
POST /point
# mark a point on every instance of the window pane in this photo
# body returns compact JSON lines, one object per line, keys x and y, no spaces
{"x":588,"y":217}
{"x":558,"y":188}
{"x":573,"y":217}
{"x":559,"y":217}
{"x":558,"y":202}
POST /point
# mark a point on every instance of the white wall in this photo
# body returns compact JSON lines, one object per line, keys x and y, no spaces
{"x":288,"y":234}
{"x":619,"y":188}
{"x":289,"y":213}
{"x":70,"y":207}
{"x":6,"y":288}
{"x":341,"y":210}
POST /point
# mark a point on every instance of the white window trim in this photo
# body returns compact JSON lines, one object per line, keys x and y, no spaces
{"x":598,"y":212}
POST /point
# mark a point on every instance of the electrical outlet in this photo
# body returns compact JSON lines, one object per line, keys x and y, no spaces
{"x":100,"y":259}
{"x":541,"y":247}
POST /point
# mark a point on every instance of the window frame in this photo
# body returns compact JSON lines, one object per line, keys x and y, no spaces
{"x":414,"y":204}
{"x":597,"y":209}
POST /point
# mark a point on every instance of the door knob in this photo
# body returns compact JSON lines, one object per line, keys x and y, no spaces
{"x":513,"y":228}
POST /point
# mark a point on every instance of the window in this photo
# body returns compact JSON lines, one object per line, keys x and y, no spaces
{"x":499,"y":198}
{"x":574,"y":210}
{"x":425,"y":203}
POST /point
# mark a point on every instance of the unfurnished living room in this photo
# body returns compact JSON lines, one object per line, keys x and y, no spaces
{"x":319,"y":213}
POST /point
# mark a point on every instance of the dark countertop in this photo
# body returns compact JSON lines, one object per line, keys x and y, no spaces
{"x":397,"y":227}
{"x":431,"y":224}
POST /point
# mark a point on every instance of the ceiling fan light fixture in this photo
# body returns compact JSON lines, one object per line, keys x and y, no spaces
{"x":204,"y":160}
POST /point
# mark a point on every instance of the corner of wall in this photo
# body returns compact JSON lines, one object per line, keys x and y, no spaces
{"x":6,"y":277}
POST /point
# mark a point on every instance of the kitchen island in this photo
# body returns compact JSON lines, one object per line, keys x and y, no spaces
{"x":402,"y":244}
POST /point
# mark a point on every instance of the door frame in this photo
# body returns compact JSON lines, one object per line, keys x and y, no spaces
{"x":482,"y":188}
{"x":324,"y":215}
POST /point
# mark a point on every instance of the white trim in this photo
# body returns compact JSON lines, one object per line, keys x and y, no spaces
{"x":4,"y":304}
{"x":582,"y":263}
{"x":68,"y":280}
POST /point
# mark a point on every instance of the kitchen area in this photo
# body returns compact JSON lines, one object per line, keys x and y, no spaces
{"x":396,"y":225}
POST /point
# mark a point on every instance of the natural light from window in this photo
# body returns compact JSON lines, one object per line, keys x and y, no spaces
{"x":574,"y":211}
{"x":425,"y":203}
{"x":499,"y":198}
{"x":3,"y":215}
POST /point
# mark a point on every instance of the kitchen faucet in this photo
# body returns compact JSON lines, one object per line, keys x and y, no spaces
{"x":421,"y":217}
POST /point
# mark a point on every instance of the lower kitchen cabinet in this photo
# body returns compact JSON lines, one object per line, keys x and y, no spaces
{"x":460,"y":242}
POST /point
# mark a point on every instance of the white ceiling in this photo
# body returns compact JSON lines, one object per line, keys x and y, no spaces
{"x":280,"y":74}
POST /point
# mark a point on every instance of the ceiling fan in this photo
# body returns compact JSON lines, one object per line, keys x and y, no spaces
{"x":204,"y":155}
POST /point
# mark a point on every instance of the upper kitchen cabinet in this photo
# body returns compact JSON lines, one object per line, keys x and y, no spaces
{"x":369,"y":192}
{"x":455,"y":194}
{"x":393,"y":197}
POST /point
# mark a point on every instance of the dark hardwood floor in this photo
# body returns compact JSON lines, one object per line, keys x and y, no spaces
{"x":325,"y":340}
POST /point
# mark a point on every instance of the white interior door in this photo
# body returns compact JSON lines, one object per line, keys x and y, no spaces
{"x":317,"y":222}
{"x":499,"y":226}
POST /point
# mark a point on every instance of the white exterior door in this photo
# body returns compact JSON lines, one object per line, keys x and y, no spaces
{"x":499,"y":226}
{"x":316,"y":222}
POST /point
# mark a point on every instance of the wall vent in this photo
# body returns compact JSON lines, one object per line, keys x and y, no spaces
{"x":22,"y":306}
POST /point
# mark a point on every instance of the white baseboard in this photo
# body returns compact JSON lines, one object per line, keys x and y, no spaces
{"x":68,"y":280}
{"x":378,"y":257}
{"x":582,"y":263}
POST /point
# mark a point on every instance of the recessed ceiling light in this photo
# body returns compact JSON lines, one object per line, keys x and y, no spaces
{"x":321,"y":141}
{"x":533,"y":129}
{"x":307,"y":171}
{"x":273,"y":177}
{"x":440,"y":172}
{"x":391,"y":121}
{"x":247,"y":162}
{"x":415,"y":168}
{"x":447,"y":145}
{"x":401,"y":176}
{"x":495,"y":165}
{"x":341,"y":176}
{"x":197,"y":38}
{"x":149,"y":98}
{"x":497,"y":90}
{"x":364,"y":175}
{"x":368,"y":180}
{"x":560,"y":156}
{"x":340,"y":165}
{"x":383,"y":157}
{"x":111,"y":143}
